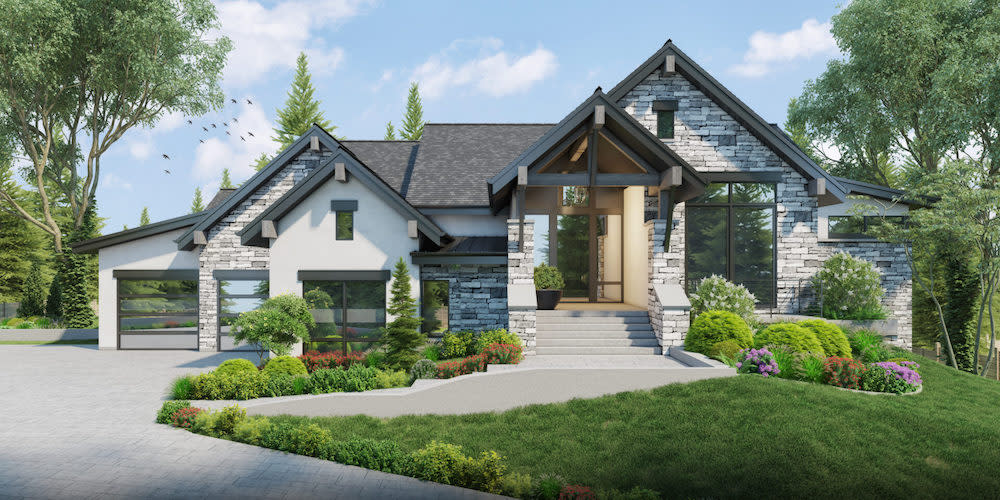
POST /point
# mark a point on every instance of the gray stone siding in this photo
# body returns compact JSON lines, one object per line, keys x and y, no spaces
{"x":712,"y":141}
{"x":477,"y":295}
{"x":224,"y":250}
{"x":521,"y":270}
{"x":669,"y":325}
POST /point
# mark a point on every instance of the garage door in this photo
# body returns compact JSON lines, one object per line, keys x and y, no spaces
{"x":157,"y":309}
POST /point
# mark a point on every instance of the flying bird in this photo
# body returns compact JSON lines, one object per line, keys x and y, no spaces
{"x":213,"y":125}
{"x":201,"y":141}
{"x":205,"y":129}
{"x":167,"y":171}
{"x":242,"y":139}
{"x":227,"y":133}
{"x":224,"y":124}
{"x":249,"y":102}
{"x":165,"y":157}
{"x":250,"y":133}
{"x":190,"y":122}
{"x":234,"y":101}
{"x":235,"y":120}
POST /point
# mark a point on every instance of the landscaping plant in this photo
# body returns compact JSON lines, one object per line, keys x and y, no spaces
{"x":830,"y":336}
{"x":275,"y":326}
{"x":759,"y":361}
{"x":868,"y":346}
{"x":423,"y":368}
{"x":548,"y":278}
{"x":798,"y":339}
{"x":185,"y":417}
{"x":812,"y":368}
{"x":314,"y":360}
{"x":890,"y":377}
{"x":726,"y":351}
{"x":502,"y":354}
{"x":843,"y":372}
{"x":850,"y":288}
{"x":712,"y":327}
{"x":402,"y":336}
{"x":465,"y":366}
{"x":231,"y":366}
{"x":458,"y":344}
{"x":716,"y":293}
{"x":285,"y":365}
{"x":496,"y":336}
{"x":788,"y":361}
{"x":168,"y":409}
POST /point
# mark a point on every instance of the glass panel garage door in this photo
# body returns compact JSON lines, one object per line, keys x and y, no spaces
{"x":157,"y":314}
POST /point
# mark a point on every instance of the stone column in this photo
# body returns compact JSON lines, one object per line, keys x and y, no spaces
{"x":521,"y":275}
{"x":669,"y":310}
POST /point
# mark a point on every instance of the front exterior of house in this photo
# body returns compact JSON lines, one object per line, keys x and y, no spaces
{"x":635,"y":195}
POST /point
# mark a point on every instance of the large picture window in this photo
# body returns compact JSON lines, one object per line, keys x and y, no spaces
{"x":730,"y":232}
{"x":349,"y":315}
{"x":157,"y":314}
{"x":858,"y":227}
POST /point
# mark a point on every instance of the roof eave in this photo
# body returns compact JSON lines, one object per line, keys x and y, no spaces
{"x":94,"y":244}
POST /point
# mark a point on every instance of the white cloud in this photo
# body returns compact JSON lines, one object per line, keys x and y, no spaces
{"x":384,"y":79}
{"x":770,"y":49}
{"x":491,"y":71}
{"x":112,"y":181}
{"x":269,"y":38}
{"x":237,"y":151}
{"x":140,"y":149}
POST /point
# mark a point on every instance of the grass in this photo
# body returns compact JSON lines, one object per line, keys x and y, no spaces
{"x":50,"y":342}
{"x":738,"y":436}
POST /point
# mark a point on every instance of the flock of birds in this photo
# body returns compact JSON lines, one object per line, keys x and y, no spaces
{"x":225,"y":126}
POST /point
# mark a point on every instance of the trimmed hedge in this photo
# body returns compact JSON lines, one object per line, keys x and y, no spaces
{"x":793,"y":336}
{"x":285,"y":365}
{"x":830,"y":336}
{"x":712,"y":327}
{"x":238,"y":365}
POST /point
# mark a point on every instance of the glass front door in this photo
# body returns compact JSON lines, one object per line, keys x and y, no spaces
{"x":573,"y":254}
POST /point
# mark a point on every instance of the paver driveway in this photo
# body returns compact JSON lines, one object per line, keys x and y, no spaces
{"x":76,"y":422}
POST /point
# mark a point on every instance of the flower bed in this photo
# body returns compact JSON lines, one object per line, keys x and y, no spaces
{"x":320,"y":360}
{"x":494,"y":354}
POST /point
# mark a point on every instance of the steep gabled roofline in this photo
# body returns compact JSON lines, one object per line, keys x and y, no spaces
{"x":186,"y":241}
{"x":883,"y":192}
{"x":719,"y":94}
{"x":107,"y":240}
{"x":251,"y":234}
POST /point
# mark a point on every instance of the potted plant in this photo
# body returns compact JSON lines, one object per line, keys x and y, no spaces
{"x":548,"y":286}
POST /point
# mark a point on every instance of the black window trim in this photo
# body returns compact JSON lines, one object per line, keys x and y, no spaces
{"x":865,"y":221}
{"x":234,"y":275}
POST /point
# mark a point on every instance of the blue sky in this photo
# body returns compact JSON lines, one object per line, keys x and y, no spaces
{"x":506,"y":61}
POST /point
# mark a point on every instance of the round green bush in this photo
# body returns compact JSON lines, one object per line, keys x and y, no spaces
{"x":548,"y":278}
{"x":728,"y":348}
{"x":712,"y":327}
{"x":285,"y":364}
{"x":851,"y":288}
{"x":424,"y":368}
{"x":793,"y":336}
{"x":830,"y":336}
{"x":238,"y":365}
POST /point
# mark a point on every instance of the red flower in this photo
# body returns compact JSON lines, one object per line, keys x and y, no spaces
{"x":576,"y":492}
{"x":336,"y":359}
{"x":184,"y":417}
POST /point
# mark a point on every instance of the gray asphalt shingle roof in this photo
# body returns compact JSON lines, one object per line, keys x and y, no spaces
{"x":388,"y":159}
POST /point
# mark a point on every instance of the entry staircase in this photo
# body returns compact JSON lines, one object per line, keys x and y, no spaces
{"x":594,"y":332}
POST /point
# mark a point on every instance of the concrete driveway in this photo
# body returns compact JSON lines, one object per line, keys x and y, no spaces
{"x":76,"y":422}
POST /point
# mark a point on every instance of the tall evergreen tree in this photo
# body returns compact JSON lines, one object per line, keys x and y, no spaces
{"x":301,"y":108}
{"x":144,"y":217}
{"x":413,"y":121}
{"x":402,"y":337}
{"x":961,"y":288}
{"x":32,"y":294}
{"x":18,"y":243}
{"x":227,"y":182}
{"x":79,"y":270}
{"x":197,"y":205}
{"x":53,"y":303}
{"x":390,"y":132}
{"x":261,"y":161}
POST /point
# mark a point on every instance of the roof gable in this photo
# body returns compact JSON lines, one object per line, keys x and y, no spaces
{"x":95,"y":244}
{"x":737,"y":109}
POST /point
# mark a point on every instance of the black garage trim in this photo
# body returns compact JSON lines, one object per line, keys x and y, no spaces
{"x":241,"y":274}
{"x":381,"y":275}
{"x":164,"y":274}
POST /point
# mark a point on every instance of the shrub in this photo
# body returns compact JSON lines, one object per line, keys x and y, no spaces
{"x":789,"y":334}
{"x":465,"y":366}
{"x":712,"y":327}
{"x":830,"y":336}
{"x":456,"y":345}
{"x":424,"y":368}
{"x":374,"y":359}
{"x":182,"y":388}
{"x":204,"y":423}
{"x":445,"y":463}
{"x":27,"y":325}
{"x":498,"y":336}
{"x":812,"y":368}
{"x":237,"y":365}
{"x":906,"y":363}
{"x":843,"y":372}
{"x":310,"y":440}
{"x":868,"y":346}
{"x":548,"y":278}
{"x":757,"y":361}
{"x":184,"y":417}
{"x":281,"y":384}
{"x":279,"y":322}
{"x":285,"y":365}
{"x":168,"y":409}
{"x":229,"y":418}
{"x":548,"y":487}
{"x":314,"y":360}
{"x":503,"y":354}
{"x":357,"y":378}
{"x":851,"y":288}
{"x":239,"y":385}
{"x":385,"y":379}
{"x":577,"y":492}
{"x":716,"y":293}
{"x":385,"y":456}
{"x":725,"y":350}
{"x":890,"y":377}
{"x":250,"y":430}
{"x":15,"y":322}
{"x":431,"y":352}
{"x":788,"y":361}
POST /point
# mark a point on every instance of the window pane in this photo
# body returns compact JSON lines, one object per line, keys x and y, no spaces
{"x":365,"y":309}
{"x":237,"y":306}
{"x":753,"y":192}
{"x":326,"y":303}
{"x":434,"y":306}
{"x":706,"y":237}
{"x":159,"y":305}
{"x":245,"y":287}
{"x":158,"y":287}
{"x":573,"y":253}
{"x":575,"y":196}
{"x":541,"y":225}
{"x":665,"y":124}
{"x":181,"y":323}
{"x":714,"y":193}
{"x":842,"y":226}
{"x":753,"y":264}
{"x":345,"y":225}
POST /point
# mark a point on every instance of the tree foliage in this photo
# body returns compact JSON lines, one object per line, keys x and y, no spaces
{"x":301,"y":109}
{"x":227,"y":181}
{"x":390,"y":132}
{"x":197,"y":204}
{"x":275,"y":326}
{"x":32,"y":294}
{"x":144,"y":217}
{"x":402,"y":337}
{"x":78,"y":75}
{"x":77,"y":272}
{"x":413,"y":120}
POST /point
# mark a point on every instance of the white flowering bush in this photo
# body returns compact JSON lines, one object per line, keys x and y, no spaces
{"x":716,"y":293}
{"x":849,"y":288}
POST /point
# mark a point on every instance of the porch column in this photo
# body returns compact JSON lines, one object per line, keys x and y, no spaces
{"x":521,"y":304}
{"x":668,"y":306}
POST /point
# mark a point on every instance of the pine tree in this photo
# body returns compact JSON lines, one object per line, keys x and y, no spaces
{"x":79,"y":270}
{"x":390,"y":132}
{"x":18,"y":244}
{"x":144,"y":217}
{"x":198,"y":204}
{"x":402,"y":339}
{"x":261,"y":162}
{"x":301,"y":108}
{"x":413,"y":121}
{"x":32,"y":294}
{"x":227,"y":182}
{"x":53,"y":304}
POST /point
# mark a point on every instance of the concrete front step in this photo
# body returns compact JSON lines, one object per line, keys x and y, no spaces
{"x":581,"y":327}
{"x":595,"y":334}
{"x":604,"y":350}
{"x":595,"y":320}
{"x":589,"y":314}
{"x":596,"y":342}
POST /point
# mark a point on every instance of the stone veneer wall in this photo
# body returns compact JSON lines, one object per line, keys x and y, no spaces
{"x":521,"y":271}
{"x":477,"y":295}
{"x":670,"y":324}
{"x":712,"y":141}
{"x":224,"y":250}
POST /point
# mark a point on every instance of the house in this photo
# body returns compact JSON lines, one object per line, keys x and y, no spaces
{"x":635,"y":195}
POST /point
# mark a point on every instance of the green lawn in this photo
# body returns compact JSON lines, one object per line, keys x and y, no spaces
{"x":51,"y":342}
{"x":742,"y":436}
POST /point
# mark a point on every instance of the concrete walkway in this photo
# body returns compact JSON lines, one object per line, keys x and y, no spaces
{"x":76,"y":422}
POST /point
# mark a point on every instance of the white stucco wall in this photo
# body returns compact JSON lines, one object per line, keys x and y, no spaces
{"x":158,"y":252}
{"x":636,"y":246}
{"x":472,"y":225}
{"x":879,"y":207}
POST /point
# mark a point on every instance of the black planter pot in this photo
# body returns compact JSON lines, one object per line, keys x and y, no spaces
{"x":547,"y":299}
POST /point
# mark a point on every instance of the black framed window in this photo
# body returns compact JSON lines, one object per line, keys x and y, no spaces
{"x":237,"y":297}
{"x":162,"y":308}
{"x":434,"y":306}
{"x":665,"y":124}
{"x":345,"y":225}
{"x":349,"y":315}
{"x":730,"y":232}
{"x":854,"y":227}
